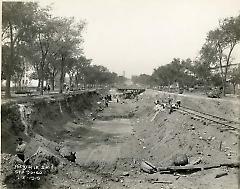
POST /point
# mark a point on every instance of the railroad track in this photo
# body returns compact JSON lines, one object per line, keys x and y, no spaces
{"x":229,"y":124}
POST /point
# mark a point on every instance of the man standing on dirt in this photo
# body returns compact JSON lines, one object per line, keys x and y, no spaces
{"x":169,"y":100}
{"x":21,"y":149}
{"x":48,"y":88}
{"x":178,"y":103}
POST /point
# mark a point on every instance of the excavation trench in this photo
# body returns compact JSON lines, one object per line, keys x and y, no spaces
{"x":115,"y":140}
{"x":70,"y":124}
{"x":102,"y":143}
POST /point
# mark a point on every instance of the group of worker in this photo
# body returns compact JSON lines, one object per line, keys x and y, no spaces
{"x":172,"y":106}
{"x":106,"y":100}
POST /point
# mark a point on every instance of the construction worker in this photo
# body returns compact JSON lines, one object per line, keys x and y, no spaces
{"x":178,"y":102}
{"x":48,"y":88}
{"x":170,"y":108}
{"x":156,"y":102}
{"x":21,"y":149}
{"x":169,"y":100}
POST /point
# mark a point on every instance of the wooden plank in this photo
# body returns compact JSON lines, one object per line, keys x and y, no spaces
{"x":196,"y":168}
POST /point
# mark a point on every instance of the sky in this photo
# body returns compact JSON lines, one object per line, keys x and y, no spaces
{"x":136,"y":36}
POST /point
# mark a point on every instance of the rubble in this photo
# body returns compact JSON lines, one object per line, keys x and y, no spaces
{"x":148,"y":167}
{"x":42,"y":155}
{"x":71,"y":157}
{"x":8,"y":163}
{"x":125,"y":173}
{"x":180,"y":160}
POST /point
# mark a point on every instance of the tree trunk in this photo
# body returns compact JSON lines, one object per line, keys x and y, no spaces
{"x":41,"y":87}
{"x":70,"y":80}
{"x":20,"y":84}
{"x":41,"y":79}
{"x":234,"y":88}
{"x":76,"y":80}
{"x":8,"y":81}
{"x":226,"y":68}
{"x":224,"y":86}
{"x":15,"y":86}
{"x":52,"y":80}
{"x":9,"y":66}
{"x":39,"y":82}
{"x":62,"y":75}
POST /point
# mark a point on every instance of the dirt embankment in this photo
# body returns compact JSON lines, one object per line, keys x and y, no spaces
{"x":54,"y":127}
{"x":45,"y":117}
{"x":227,"y":108}
{"x":171,"y":134}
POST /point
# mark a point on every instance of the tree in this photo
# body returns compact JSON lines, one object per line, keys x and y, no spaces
{"x":17,"y":17}
{"x":50,"y":44}
{"x":142,"y":79}
{"x":52,"y":68}
{"x":20,"y":67}
{"x":235,"y":78}
{"x":220,"y":44}
{"x":5,"y":56}
{"x":71,"y":69}
{"x":98,"y":75}
{"x":45,"y":31}
{"x":216,"y":80}
{"x":68,"y":44}
{"x":202,"y":71}
{"x":83,"y":64}
{"x":180,"y":71}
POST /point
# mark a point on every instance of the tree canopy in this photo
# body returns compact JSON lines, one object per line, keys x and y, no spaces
{"x":51,"y":45}
{"x":211,"y":67}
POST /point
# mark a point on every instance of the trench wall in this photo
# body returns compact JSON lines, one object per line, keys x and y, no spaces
{"x":45,"y":117}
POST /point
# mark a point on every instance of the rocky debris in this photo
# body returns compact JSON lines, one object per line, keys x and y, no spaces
{"x":19,"y":174}
{"x":148,"y":167}
{"x":8,"y":163}
{"x":62,"y":164}
{"x":196,"y":161}
{"x":71,"y":157}
{"x":65,"y":151}
{"x":151,"y":179}
{"x":42,"y":156}
{"x":57,"y":148}
{"x":115,"y":178}
{"x":125,"y":173}
{"x":180,"y":160}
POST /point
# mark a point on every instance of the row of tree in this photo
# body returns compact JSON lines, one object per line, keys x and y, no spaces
{"x":32,"y":37}
{"x":211,"y":67}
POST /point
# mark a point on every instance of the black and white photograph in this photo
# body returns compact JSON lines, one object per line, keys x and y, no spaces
{"x":120,"y":94}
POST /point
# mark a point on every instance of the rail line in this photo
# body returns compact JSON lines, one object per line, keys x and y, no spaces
{"x":230,"y":124}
